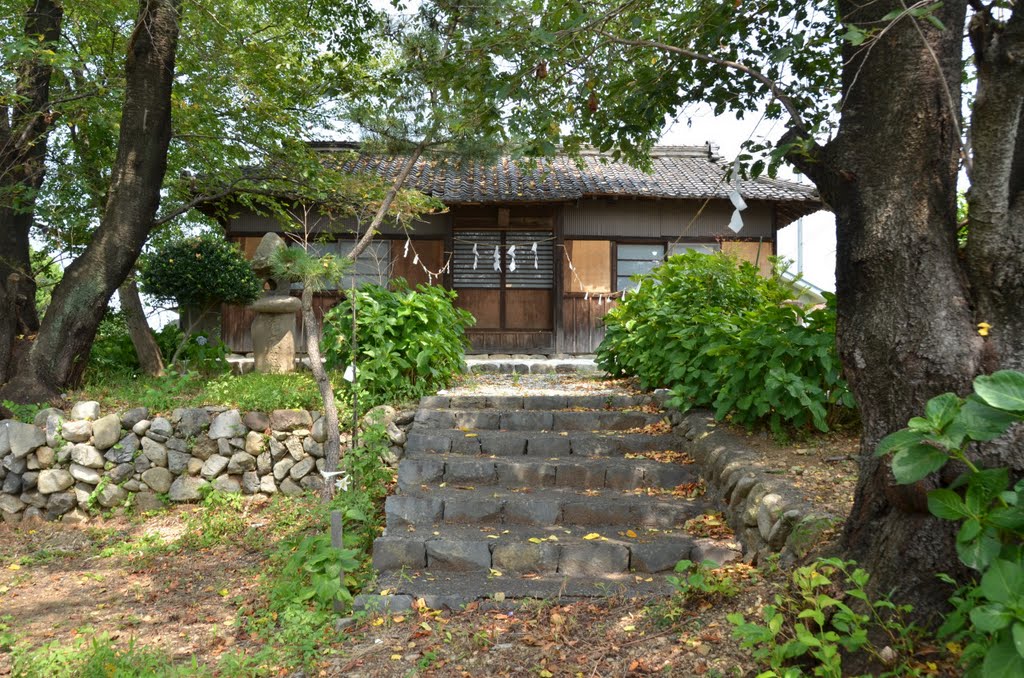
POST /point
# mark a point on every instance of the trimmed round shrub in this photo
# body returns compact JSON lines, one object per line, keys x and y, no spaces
{"x":198,"y":272}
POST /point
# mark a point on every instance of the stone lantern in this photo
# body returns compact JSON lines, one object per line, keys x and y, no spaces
{"x":273,"y":329}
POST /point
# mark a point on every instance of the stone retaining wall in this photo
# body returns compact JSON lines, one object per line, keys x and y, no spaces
{"x":766,"y":512}
{"x":65,"y":464}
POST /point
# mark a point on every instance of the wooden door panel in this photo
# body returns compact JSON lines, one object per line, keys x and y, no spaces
{"x":485,"y":305}
{"x":431,"y":253}
{"x":528,"y":309}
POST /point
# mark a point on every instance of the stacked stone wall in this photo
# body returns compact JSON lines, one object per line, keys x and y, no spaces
{"x":66,"y":465}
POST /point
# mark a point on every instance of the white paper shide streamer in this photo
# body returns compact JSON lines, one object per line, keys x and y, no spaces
{"x":476,"y":256}
{"x":497,"y":258}
{"x":512,"y":259}
{"x":534,"y":250}
{"x":736,"y":222}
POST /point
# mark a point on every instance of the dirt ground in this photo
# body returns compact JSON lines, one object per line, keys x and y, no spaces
{"x":126,"y":578}
{"x":63,"y":581}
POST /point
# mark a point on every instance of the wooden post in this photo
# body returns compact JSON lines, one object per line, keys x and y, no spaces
{"x":337,"y":534}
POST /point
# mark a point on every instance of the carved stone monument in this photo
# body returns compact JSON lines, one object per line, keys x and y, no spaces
{"x":273,"y":329}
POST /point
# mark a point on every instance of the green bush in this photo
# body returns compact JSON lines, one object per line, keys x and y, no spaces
{"x":198,"y":272}
{"x":827,"y":616}
{"x":201,"y":353}
{"x":410,"y":342}
{"x":114,"y":354}
{"x":112,"y":349}
{"x":720,"y":335}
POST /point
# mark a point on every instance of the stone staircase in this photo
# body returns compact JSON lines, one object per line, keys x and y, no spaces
{"x":536,"y":496}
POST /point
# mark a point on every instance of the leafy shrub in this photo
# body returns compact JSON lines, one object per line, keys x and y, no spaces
{"x":720,"y":335}
{"x":988,"y":614}
{"x":114,"y":354}
{"x":200,"y":352}
{"x":826,"y":614}
{"x":307,"y":576}
{"x":198,"y":272}
{"x":112,"y":349}
{"x":410,"y":342}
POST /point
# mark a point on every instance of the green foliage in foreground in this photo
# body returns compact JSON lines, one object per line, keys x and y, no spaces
{"x":825,"y":614}
{"x":988,"y":617}
{"x":410,"y":343}
{"x":720,"y":335}
{"x":88,"y":656}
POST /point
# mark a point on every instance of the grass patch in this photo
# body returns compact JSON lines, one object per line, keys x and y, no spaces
{"x":265,"y":392}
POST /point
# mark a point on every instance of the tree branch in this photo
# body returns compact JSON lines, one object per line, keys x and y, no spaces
{"x":389,"y":198}
{"x":783,"y":98}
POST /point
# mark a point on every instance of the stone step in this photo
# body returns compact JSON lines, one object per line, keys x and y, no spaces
{"x":538,"y":506}
{"x":428,"y":420}
{"x":537,"y":402}
{"x":537,"y":443}
{"x":546,"y":550}
{"x":455,"y":590}
{"x":567,"y":471}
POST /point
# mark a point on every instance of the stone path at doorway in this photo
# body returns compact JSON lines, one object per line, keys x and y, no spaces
{"x":537,"y":486}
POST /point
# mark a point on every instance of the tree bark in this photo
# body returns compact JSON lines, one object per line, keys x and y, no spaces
{"x":332,"y":446}
{"x":995,"y":232}
{"x":58,"y":355}
{"x":148,"y":352}
{"x":905,"y":326}
{"x":24,"y":129}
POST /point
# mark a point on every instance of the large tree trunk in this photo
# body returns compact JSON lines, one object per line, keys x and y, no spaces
{"x":148,"y":352}
{"x":24,"y":128}
{"x":58,"y":355}
{"x":905,"y":328}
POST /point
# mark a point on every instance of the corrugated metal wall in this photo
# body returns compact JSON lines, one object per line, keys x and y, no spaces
{"x":661,"y":219}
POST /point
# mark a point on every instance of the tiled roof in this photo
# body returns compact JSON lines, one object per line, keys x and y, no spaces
{"x":678,"y":172}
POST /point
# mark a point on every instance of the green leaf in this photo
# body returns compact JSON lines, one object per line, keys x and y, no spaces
{"x":913,"y":464}
{"x":1003,"y":581}
{"x":900,"y":440}
{"x":1018,"y":637}
{"x":1007,"y":518}
{"x":855,"y":36}
{"x":978,"y":553}
{"x":1003,"y":661}
{"x":984,"y":486}
{"x":946,"y":504}
{"x":970,"y":529}
{"x":989,"y":618}
{"x":983,"y":422}
{"x":942,"y":409}
{"x":1003,"y":389}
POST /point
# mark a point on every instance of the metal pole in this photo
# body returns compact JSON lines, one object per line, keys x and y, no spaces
{"x":355,"y":371}
{"x":337,"y":541}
